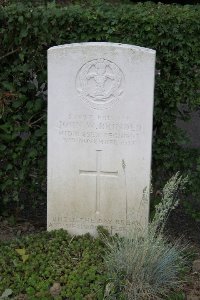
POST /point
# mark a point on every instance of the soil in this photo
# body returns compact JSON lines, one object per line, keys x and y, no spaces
{"x":180,"y":225}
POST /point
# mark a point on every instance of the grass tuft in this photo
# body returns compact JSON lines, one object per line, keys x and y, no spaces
{"x":144,"y":264}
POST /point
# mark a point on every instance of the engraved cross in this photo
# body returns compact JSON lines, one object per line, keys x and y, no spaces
{"x":98,"y":173}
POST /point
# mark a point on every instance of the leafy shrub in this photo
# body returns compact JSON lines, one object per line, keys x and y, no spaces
{"x":144,"y":265}
{"x":74,"y":262}
{"x":27,"y":31}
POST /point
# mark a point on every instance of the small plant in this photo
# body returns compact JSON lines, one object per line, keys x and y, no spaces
{"x":144,"y":265}
{"x":35,"y":265}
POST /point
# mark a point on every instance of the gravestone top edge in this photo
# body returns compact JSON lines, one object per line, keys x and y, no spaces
{"x":103,"y":44}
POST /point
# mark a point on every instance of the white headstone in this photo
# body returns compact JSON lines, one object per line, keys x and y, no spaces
{"x":100,"y":108}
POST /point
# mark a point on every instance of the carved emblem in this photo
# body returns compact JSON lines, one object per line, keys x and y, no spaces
{"x":99,"y":83}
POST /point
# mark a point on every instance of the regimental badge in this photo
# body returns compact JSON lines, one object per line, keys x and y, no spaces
{"x":100,"y":83}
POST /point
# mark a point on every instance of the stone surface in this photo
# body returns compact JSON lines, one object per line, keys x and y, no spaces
{"x":55,"y":289}
{"x":100,"y":108}
{"x":196,"y":265}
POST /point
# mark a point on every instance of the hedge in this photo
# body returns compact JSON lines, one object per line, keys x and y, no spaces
{"x":25,"y":35}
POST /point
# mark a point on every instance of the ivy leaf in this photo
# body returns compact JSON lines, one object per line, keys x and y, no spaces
{"x":24,"y":32}
{"x":21,"y":251}
{"x":21,"y":56}
{"x":2,"y":147}
{"x":25,"y":258}
{"x":21,"y":19}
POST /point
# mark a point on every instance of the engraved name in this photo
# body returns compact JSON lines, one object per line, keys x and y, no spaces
{"x":103,"y":130}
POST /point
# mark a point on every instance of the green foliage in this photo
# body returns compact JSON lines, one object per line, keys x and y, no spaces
{"x":23,"y":255}
{"x":177,"y":296}
{"x":27,"y":31}
{"x":144,"y":264}
{"x":74,"y":262}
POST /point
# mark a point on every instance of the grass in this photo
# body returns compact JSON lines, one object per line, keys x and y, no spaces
{"x":144,"y":264}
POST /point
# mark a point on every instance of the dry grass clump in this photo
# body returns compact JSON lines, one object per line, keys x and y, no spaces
{"x":144,"y":264}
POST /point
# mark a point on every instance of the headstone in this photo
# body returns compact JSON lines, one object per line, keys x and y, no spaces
{"x":100,"y":108}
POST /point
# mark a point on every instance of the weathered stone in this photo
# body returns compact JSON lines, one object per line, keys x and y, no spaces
{"x":100,"y":108}
{"x":55,"y":289}
{"x":196,"y":265}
